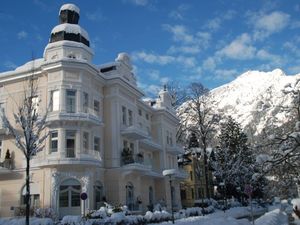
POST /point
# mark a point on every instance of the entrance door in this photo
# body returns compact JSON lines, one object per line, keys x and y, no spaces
{"x":130,"y":196}
{"x":69,"y":198}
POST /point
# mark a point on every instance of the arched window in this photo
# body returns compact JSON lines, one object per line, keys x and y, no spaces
{"x":34,"y":195}
{"x":69,"y":193}
{"x":98,"y":194}
{"x":130,"y":196}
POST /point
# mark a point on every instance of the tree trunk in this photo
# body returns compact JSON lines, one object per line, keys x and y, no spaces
{"x":206,"y":174}
{"x":27,"y":197}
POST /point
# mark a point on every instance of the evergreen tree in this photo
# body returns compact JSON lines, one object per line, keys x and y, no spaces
{"x":234,"y":159}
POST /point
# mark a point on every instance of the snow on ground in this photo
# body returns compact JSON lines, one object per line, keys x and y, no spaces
{"x":21,"y":221}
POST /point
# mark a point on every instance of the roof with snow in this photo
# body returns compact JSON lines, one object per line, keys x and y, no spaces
{"x":70,"y":7}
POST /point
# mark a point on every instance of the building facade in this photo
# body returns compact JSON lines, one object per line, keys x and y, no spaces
{"x":104,"y":139}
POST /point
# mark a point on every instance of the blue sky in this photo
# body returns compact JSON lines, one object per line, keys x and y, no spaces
{"x":169,"y":40}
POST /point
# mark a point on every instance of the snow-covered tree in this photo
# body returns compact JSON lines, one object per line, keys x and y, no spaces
{"x":197,"y":117}
{"x":234,"y":159}
{"x":27,"y":128}
{"x":283,"y":163}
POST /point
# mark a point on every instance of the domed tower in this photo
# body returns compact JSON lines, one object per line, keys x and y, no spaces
{"x":70,"y":35}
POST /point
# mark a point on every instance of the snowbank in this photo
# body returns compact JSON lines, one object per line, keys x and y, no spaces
{"x":275,"y":217}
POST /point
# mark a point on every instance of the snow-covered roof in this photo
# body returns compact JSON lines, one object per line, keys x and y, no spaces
{"x":70,"y":7}
{"x":70,"y":28}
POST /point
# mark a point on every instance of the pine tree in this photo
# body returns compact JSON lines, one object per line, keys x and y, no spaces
{"x":234,"y":162}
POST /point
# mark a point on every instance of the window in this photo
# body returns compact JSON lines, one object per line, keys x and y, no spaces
{"x":183,"y":194}
{"x":71,"y":101}
{"x":124,"y":115}
{"x":167,"y":134}
{"x":131,"y":146}
{"x":53,"y":141}
{"x":85,"y":141}
{"x":171,"y":139}
{"x":69,"y":193}
{"x":0,"y":148}
{"x":147,"y":116}
{"x":97,"y":144}
{"x":130,"y":118}
{"x":97,"y":107}
{"x":200,"y":193}
{"x":191,"y":175}
{"x":151,"y":196}
{"x":70,"y":144}
{"x":192,"y":193}
{"x":35,"y":103}
{"x":98,"y":193}
{"x":54,"y":100}
{"x":85,"y":102}
{"x":140,"y":112}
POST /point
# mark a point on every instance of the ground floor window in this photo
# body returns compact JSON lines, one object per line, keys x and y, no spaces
{"x":69,"y":193}
{"x":34,"y":195}
{"x":98,"y":195}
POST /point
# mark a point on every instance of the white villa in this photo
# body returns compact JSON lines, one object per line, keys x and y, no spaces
{"x":104,"y":139}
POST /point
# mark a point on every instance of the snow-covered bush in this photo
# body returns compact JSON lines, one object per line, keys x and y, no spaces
{"x":45,"y":213}
{"x":157,"y":216}
{"x":71,"y":220}
{"x":97,"y":214}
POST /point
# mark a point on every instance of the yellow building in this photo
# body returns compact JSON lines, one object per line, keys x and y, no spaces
{"x":193,"y":188}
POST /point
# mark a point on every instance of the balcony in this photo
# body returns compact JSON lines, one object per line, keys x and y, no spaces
{"x":133,"y":163}
{"x":149,"y":144}
{"x":175,"y":149}
{"x":134,"y":133}
{"x":90,"y":116}
{"x":6,"y":166}
{"x":69,"y":157}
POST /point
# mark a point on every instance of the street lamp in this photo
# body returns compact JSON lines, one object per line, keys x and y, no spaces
{"x":223,"y":188}
{"x":170,"y":173}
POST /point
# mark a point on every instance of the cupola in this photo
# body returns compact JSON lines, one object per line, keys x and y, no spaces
{"x":68,"y":39}
{"x":68,"y":29}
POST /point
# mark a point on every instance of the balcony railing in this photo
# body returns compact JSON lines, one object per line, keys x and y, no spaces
{"x":6,"y":166}
{"x":70,"y":153}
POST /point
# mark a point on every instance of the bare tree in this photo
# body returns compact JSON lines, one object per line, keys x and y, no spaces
{"x":197,"y":117}
{"x":27,"y":130}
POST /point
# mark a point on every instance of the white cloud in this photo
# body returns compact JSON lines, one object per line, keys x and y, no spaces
{"x":10,"y":65}
{"x":95,"y":16}
{"x":180,"y":33}
{"x":215,"y":23}
{"x":178,"y":13}
{"x":267,"y":24}
{"x":184,"y":49}
{"x":153,"y":58}
{"x":209,"y":64}
{"x":137,"y":2}
{"x":188,"y":43}
{"x":265,"y":55}
{"x":241,"y":48}
{"x":224,"y":74}
{"x":22,"y":34}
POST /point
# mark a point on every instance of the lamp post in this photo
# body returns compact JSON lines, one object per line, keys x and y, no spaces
{"x":222,"y":184}
{"x":170,"y":173}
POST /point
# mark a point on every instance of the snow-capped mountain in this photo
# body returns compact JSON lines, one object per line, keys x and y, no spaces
{"x":256,"y":99}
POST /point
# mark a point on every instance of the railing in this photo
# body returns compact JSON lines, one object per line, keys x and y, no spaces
{"x":7,"y":163}
{"x":128,"y":158}
{"x":70,"y":153}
